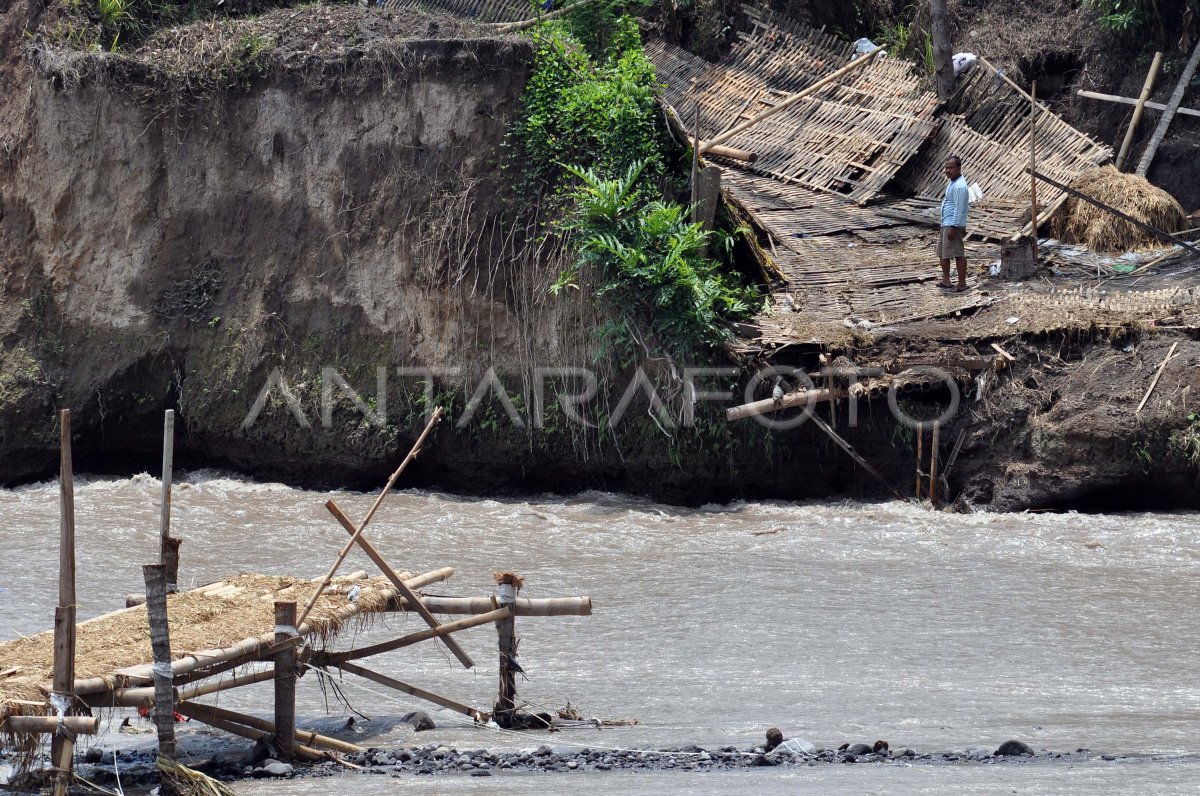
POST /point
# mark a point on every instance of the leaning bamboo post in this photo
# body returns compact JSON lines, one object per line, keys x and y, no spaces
{"x":169,"y":547}
{"x":933,"y":462}
{"x":1164,"y":121}
{"x":920,"y":444}
{"x":506,"y":632}
{"x":696,"y":167}
{"x":401,"y":587}
{"x":1147,"y":87}
{"x":305,"y":737}
{"x":205,"y":714}
{"x":788,"y":102}
{"x":1033,"y":114}
{"x":285,"y":682}
{"x":62,"y":747}
{"x":412,"y":454}
{"x":160,"y":642}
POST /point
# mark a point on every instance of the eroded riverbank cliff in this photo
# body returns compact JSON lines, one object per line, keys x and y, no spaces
{"x":174,"y":235}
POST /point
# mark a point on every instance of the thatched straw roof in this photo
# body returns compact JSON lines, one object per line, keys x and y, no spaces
{"x":1080,"y":222}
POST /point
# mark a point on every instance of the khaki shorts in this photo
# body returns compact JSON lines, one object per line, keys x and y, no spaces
{"x":949,"y":249}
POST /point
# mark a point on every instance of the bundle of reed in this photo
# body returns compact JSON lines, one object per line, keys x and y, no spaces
{"x":189,"y":782}
{"x":1078,"y":221}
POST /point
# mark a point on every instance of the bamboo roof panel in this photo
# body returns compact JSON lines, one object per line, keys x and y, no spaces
{"x":213,"y":617}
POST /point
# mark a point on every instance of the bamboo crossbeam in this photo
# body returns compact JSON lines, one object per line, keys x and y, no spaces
{"x":1154,"y":106}
{"x":524,"y":606}
{"x":142,"y":673}
{"x":32,"y":725}
{"x":144,"y":696}
{"x":389,"y":682}
{"x":791,"y":100}
{"x":414,"y":638}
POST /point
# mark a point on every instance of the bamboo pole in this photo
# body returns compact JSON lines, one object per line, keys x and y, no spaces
{"x":160,"y":642}
{"x":62,"y":746}
{"x":1153,"y":106}
{"x":306,"y":737}
{"x":1164,"y":121}
{"x":1147,"y":87}
{"x":934,"y":444}
{"x":524,"y":606}
{"x":504,"y":711}
{"x":389,"y":682}
{"x":1157,"y":376}
{"x":789,"y":101}
{"x":285,"y":682}
{"x":253,"y":647}
{"x":789,"y":401}
{"x":863,"y":463}
{"x":415,"y":638}
{"x":920,"y":444}
{"x":512,"y":27}
{"x":205,"y":714}
{"x":407,"y":593}
{"x":696,"y":168}
{"x":169,"y":548}
{"x":1158,"y":233}
{"x":1032,"y":168}
{"x":412,"y":454}
{"x":720,"y":151}
{"x":144,"y":697}
{"x":32,"y":725}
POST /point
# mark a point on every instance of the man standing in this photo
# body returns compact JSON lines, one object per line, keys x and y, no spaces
{"x":955,"y":205}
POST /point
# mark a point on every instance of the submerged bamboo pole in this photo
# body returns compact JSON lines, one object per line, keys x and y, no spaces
{"x":305,"y":737}
{"x":205,"y":714}
{"x":62,"y":747}
{"x":160,"y":642}
{"x":420,"y":693}
{"x":285,"y":682}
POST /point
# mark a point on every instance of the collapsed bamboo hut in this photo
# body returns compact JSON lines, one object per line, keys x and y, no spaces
{"x":167,"y":649}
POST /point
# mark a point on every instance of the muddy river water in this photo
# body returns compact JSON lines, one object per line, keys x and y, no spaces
{"x":836,"y":622}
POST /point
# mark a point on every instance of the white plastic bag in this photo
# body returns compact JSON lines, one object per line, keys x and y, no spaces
{"x":974,"y":193}
{"x":963,"y":63}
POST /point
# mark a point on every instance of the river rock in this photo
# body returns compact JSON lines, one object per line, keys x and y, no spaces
{"x":858,"y":750}
{"x":419,"y":720}
{"x":1014,"y":749}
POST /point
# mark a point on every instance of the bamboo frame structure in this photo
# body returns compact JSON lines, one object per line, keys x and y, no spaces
{"x":174,"y":680}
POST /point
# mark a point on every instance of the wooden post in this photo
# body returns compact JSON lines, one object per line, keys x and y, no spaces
{"x":1033,"y":114}
{"x":285,"y":683}
{"x":506,"y":630}
{"x":62,"y":748}
{"x":1164,"y":121}
{"x":943,"y":64}
{"x":920,"y":444}
{"x":160,"y":642}
{"x":933,"y":462}
{"x":696,"y":167}
{"x":169,"y":548}
{"x":1147,"y":87}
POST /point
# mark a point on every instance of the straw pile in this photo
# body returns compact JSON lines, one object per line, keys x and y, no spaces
{"x":1080,"y":222}
{"x":242,"y":607}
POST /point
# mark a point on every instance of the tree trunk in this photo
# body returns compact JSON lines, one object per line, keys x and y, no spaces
{"x":942,"y":51}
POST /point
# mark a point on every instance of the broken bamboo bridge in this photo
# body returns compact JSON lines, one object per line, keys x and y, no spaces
{"x":168,"y":648}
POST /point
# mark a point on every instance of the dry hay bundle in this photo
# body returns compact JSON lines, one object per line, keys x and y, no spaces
{"x":1082,"y":222}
